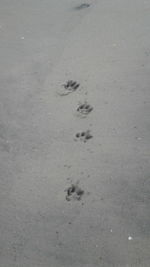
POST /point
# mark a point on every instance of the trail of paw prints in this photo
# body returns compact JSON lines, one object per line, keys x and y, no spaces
{"x":83,"y":136}
{"x":69,"y":87}
{"x":74,"y":192}
{"x":84,"y":109}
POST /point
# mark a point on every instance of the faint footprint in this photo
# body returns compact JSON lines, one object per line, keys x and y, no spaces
{"x":83,"y":136}
{"x":69,"y":87}
{"x":74,"y":192}
{"x":82,"y":6}
{"x":84,"y":109}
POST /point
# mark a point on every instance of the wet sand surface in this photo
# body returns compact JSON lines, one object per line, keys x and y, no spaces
{"x":74,"y":133}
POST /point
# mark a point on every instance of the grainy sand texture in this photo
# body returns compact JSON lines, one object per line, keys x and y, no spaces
{"x":74,"y":133}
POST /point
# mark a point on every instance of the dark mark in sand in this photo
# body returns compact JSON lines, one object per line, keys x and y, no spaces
{"x":82,"y":6}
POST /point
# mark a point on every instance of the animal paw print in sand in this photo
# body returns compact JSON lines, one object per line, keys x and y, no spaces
{"x":84,"y":109}
{"x":69,"y":87}
{"x":74,"y":192}
{"x":83,"y":136}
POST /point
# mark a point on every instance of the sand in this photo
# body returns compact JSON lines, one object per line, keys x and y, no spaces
{"x":67,"y":200}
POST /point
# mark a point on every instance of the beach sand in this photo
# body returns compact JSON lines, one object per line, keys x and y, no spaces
{"x":75,"y":180}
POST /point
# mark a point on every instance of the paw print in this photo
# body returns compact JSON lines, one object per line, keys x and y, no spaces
{"x":74,"y":192}
{"x":83,"y":136}
{"x":69,"y":87}
{"x":84,"y":109}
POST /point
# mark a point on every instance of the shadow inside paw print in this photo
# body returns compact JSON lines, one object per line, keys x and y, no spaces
{"x":74,"y":192}
{"x":83,"y":136}
{"x":82,"y":6}
{"x":84,"y":109}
